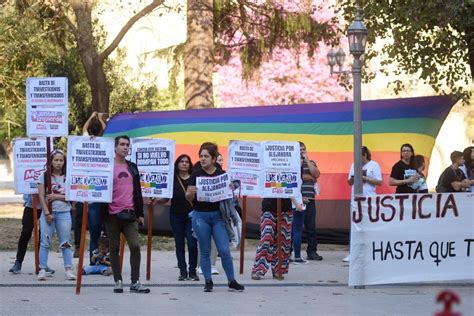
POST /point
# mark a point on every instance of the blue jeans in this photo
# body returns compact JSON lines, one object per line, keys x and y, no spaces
{"x":207,"y":225}
{"x":98,"y":269}
{"x":181,"y":225}
{"x":62,"y":225}
{"x":310,"y":227}
{"x":298,"y":221}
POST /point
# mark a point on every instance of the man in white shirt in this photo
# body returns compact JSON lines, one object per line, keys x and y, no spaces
{"x":371,"y":177}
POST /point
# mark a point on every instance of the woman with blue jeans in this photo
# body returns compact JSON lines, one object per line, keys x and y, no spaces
{"x":208,"y":222}
{"x":58,"y":218}
{"x":180,"y":221}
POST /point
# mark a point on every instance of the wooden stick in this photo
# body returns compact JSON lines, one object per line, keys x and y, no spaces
{"x":49,"y":170}
{"x":122,"y":247}
{"x":85,"y":209}
{"x":279,"y":223}
{"x":148,"y":246}
{"x":242,"y":237}
{"x":36,"y":231}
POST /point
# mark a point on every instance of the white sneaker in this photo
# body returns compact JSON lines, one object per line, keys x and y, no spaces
{"x":70,"y":275}
{"x":347,"y":259}
{"x":42,"y":275}
{"x":214,"y":270}
{"x":199,"y":270}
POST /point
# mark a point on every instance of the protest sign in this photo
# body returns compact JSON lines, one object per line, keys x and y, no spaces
{"x":281,"y":155}
{"x":29,"y":163}
{"x":47,"y":106}
{"x":245,"y":155}
{"x":281,"y":169}
{"x":412,"y":238}
{"x":90,"y":169}
{"x":213,"y":189}
{"x":250,"y":181}
{"x":155,"y":161}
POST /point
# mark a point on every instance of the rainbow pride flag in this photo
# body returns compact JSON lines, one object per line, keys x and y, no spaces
{"x":325,"y":128}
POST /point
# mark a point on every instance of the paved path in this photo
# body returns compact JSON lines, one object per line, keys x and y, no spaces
{"x":318,"y":288}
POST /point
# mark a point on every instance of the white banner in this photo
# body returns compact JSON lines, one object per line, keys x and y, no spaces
{"x":213,"y":189}
{"x":47,"y":106}
{"x":90,"y":169}
{"x":244,"y":155}
{"x":412,"y":238}
{"x":29,"y":160}
{"x":155,"y":160}
{"x":281,"y":169}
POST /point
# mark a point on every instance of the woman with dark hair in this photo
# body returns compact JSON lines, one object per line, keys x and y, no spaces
{"x":420,"y":185}
{"x":180,"y":221}
{"x":56,"y":219}
{"x":468,"y":167}
{"x":404,"y":175}
{"x":208,"y":222}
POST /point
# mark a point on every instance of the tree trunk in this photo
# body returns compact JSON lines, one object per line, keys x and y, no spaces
{"x":199,"y":55}
{"x":90,"y":58}
{"x":470,"y":48}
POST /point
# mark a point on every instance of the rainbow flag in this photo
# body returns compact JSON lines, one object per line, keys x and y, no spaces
{"x":325,"y":128}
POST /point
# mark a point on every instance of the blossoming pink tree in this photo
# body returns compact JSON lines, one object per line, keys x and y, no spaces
{"x":287,"y":77}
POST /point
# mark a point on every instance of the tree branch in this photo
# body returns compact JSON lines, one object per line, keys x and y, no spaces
{"x":149,"y":8}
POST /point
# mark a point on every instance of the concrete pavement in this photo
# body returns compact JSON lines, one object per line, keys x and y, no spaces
{"x":316,"y":288}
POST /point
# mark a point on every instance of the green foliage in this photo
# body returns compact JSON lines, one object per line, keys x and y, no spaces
{"x":257,"y":29}
{"x":34,"y":44}
{"x":431,"y":39}
{"x":30,"y":47}
{"x":127,"y":97}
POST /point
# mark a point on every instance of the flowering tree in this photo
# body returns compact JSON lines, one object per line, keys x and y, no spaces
{"x":287,"y":75}
{"x":285,"y":79}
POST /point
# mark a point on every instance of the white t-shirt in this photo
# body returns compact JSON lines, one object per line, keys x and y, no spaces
{"x":58,"y":185}
{"x":372,"y":170}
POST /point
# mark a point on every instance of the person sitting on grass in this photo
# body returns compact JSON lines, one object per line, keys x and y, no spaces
{"x":100,"y":259}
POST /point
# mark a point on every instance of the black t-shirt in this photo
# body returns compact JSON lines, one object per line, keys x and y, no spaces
{"x":199,"y":205}
{"x":402,"y":171}
{"x":179,"y":204}
{"x":449,"y":176}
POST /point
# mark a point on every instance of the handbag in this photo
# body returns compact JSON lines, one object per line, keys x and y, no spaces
{"x":127,"y":215}
{"x":184,"y":189}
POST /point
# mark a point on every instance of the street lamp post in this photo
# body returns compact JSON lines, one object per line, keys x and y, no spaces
{"x":357,"y":36}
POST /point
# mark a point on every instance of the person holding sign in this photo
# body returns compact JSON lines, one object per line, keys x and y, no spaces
{"x":58,"y":218}
{"x":27,"y":222}
{"x":124,"y":215}
{"x":266,"y":256}
{"x":208,"y":222}
{"x":404,"y":175}
{"x":180,"y":221}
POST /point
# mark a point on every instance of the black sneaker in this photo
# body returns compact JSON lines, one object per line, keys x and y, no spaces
{"x":193,"y":276}
{"x":16,"y":268}
{"x":235,"y":286}
{"x":183,"y":276}
{"x":118,"y":288}
{"x":209,"y":286}
{"x":314,"y":256}
{"x":137,"y":287}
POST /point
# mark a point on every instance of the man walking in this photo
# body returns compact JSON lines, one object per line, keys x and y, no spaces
{"x":124,"y":215}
